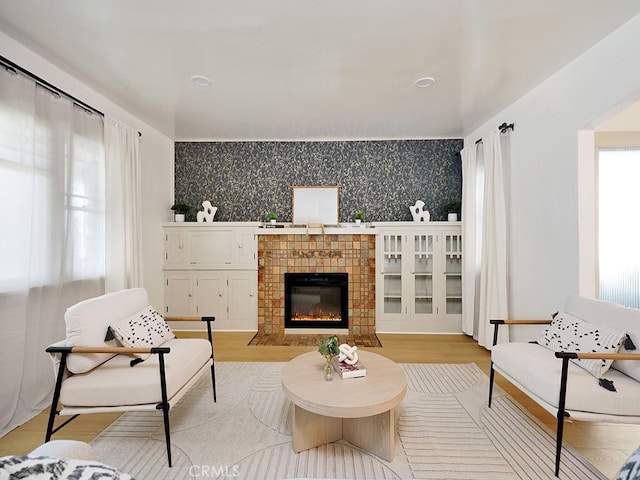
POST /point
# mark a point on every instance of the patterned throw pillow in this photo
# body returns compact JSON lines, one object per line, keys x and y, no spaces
{"x":46,"y":468}
{"x":146,"y":328}
{"x":631,"y":469}
{"x":567,"y":333}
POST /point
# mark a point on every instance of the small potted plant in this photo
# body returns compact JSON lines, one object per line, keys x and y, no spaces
{"x":328,"y":348}
{"x":180,"y":210}
{"x":272,"y":217}
{"x":452,"y":210}
{"x":358,"y":217}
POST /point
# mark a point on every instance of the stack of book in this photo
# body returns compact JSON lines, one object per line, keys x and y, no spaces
{"x":348,"y":371}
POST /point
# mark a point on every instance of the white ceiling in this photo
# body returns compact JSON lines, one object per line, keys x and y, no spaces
{"x":302,"y":69}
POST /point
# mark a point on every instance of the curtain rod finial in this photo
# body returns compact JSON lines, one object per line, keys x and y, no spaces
{"x":506,"y":126}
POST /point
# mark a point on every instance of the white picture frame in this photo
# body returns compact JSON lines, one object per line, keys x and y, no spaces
{"x":315,"y":205}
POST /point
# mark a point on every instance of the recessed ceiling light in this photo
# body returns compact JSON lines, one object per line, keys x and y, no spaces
{"x":424,"y":82}
{"x":201,"y":81}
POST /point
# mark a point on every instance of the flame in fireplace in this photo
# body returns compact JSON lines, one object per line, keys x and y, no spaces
{"x":317,"y":314}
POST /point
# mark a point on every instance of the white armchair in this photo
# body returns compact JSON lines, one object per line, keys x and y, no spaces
{"x":583,"y":367}
{"x":94,"y":374}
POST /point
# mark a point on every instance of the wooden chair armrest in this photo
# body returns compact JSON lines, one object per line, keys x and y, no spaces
{"x":116,"y":350}
{"x":196,"y":319}
{"x":497,"y":322}
{"x":520,"y":322}
{"x":189,"y":319}
{"x":185,"y":318}
{"x":598,"y":356}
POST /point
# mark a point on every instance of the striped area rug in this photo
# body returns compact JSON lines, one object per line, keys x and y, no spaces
{"x":444,"y":429}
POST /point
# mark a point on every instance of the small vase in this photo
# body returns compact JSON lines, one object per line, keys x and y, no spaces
{"x":179,"y":217}
{"x":452,"y":217}
{"x":328,"y":371}
{"x":358,"y":221}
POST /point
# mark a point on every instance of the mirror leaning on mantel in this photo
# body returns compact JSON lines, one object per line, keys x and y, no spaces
{"x":315,"y":205}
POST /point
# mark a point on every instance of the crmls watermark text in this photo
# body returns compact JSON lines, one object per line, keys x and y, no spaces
{"x":214,"y":471}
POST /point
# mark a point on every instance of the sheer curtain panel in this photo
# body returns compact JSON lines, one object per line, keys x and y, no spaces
{"x":52,"y":244}
{"x":484,"y":227}
{"x":493,"y":294}
{"x":473,"y":178}
{"x":124,"y":207}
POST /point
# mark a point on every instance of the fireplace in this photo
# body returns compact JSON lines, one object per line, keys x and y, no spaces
{"x":316,"y":300}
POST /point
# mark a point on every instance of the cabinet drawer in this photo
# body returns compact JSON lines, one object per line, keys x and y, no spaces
{"x":210,"y":248}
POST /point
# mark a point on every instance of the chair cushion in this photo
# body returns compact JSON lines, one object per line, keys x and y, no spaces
{"x":538,"y":370}
{"x":145,"y":328}
{"x":116,"y":383}
{"x":567,"y":333}
{"x":87,"y":324}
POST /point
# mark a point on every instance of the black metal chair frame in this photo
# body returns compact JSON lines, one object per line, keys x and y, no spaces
{"x":163,"y":405}
{"x":561,"y":414}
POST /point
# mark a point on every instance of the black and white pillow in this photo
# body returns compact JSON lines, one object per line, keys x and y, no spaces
{"x":145,"y":329}
{"x":567,"y":333}
{"x":631,"y":469}
{"x":46,"y":468}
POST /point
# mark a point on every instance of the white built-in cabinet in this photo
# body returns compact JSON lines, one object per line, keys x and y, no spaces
{"x":419,"y":278}
{"x":211,"y":270}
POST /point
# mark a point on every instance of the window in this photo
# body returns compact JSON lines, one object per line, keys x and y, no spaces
{"x":51,"y":187}
{"x":618,"y":226}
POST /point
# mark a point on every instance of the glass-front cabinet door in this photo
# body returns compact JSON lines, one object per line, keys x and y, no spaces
{"x":422,"y":273}
{"x":392,"y":274}
{"x":453,"y":272}
{"x":419,"y":278}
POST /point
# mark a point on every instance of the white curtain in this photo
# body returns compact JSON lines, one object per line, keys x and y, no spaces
{"x":473,"y":178}
{"x":52,"y":242}
{"x":485,"y":193}
{"x":124,"y":204}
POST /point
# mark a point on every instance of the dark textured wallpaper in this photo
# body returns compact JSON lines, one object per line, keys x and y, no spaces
{"x":246,"y":180}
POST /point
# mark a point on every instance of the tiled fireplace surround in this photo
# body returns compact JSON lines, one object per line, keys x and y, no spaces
{"x":322,"y":253}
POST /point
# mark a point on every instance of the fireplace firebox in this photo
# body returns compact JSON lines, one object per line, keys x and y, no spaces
{"x":316,"y":300}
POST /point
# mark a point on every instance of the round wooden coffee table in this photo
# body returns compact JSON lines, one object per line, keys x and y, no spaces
{"x":359,"y":410}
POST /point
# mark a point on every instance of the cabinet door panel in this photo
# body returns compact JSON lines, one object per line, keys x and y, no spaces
{"x":391,"y":310}
{"x":178,"y":294}
{"x":453,"y":272}
{"x":422,"y":302}
{"x":246,"y":248}
{"x":211,"y":296}
{"x":174,"y":248}
{"x":242,"y":301}
{"x":210,"y":247}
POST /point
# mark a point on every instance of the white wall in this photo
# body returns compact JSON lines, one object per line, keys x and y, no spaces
{"x":628,"y":120}
{"x":156,"y":151}
{"x":544,"y":265}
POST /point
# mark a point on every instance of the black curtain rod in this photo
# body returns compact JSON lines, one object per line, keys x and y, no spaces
{"x":17,"y":68}
{"x":503,"y":129}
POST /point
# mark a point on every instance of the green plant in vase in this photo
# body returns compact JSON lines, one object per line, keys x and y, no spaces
{"x":358,"y":216}
{"x":180,"y":210}
{"x":452,"y":210}
{"x":328,"y":348}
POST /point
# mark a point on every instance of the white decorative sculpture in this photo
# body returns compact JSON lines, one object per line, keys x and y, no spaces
{"x":348,"y":354}
{"x":418,"y":212}
{"x":209,"y":212}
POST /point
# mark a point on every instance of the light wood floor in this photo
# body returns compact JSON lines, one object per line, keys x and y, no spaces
{"x":605,"y":445}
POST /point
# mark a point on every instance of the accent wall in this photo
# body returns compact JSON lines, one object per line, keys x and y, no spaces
{"x":246,"y":180}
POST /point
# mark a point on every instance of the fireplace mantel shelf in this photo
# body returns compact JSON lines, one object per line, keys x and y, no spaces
{"x":342,"y":229}
{"x":289,"y":229}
